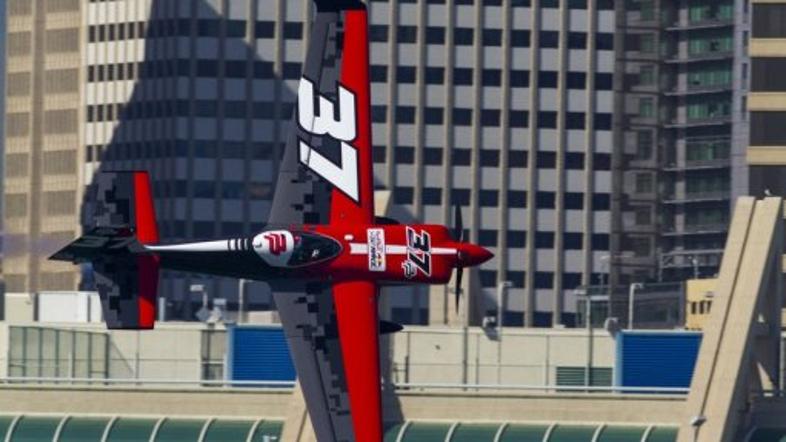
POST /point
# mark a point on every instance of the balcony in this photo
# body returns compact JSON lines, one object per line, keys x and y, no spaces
{"x":718,"y":163}
{"x":695,"y":57}
{"x":696,"y":197}
{"x":696,"y":229}
{"x":707,"y":23}
{"x":686,"y":259}
{"x":719,"y":120}
{"x":676,"y":90}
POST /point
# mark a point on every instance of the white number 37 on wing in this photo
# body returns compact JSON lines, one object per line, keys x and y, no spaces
{"x":344,"y":177}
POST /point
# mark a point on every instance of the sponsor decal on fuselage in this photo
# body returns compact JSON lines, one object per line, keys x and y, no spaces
{"x":275,"y":247}
{"x":418,"y":254}
{"x":376,"y":250}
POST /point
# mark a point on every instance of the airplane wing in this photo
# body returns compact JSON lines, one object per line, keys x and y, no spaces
{"x":326,"y":177}
{"x":326,"y":173}
{"x":334,"y":342}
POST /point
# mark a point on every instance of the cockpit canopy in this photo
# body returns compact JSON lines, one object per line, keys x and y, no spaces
{"x":283,"y":248}
{"x":310,"y":248}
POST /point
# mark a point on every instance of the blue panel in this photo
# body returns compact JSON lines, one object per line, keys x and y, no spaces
{"x":663,"y":359}
{"x":259,"y":354}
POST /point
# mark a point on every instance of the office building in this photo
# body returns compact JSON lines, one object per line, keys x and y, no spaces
{"x":684,"y":75}
{"x":42,"y":182}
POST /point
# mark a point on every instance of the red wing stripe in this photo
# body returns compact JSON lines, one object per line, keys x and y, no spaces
{"x":358,"y":322}
{"x":354,"y":76}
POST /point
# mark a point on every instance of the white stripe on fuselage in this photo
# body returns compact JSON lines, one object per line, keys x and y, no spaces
{"x":207,"y":246}
{"x":362,"y":249}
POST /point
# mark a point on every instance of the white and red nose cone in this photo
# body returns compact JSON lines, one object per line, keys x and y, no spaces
{"x":275,"y":247}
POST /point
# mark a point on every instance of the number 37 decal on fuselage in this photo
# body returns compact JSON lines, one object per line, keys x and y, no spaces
{"x":344,"y":129}
{"x":418,"y":254}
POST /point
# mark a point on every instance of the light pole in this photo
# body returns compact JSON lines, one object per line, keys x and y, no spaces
{"x":241,"y":299}
{"x":502,"y":290}
{"x":631,"y":299}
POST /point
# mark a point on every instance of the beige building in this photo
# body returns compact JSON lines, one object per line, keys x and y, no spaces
{"x":699,"y":294}
{"x":767,"y":100}
{"x":42,"y":182}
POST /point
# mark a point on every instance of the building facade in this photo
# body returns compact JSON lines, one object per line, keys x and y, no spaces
{"x":767,"y":100}
{"x":684,"y":80}
{"x":42,"y":182}
{"x":502,"y":107}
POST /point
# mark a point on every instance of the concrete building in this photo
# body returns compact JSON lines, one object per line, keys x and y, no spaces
{"x":42,"y":182}
{"x":767,"y":100}
{"x":504,"y":108}
{"x":684,"y":79}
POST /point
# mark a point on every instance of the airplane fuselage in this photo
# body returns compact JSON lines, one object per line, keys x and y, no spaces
{"x":392,"y":254}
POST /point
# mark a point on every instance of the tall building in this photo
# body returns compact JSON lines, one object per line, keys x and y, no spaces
{"x":683,"y":130}
{"x":42,"y":182}
{"x":767,"y":100}
{"x":503,"y":107}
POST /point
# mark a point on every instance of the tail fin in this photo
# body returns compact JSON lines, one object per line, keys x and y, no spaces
{"x":126,"y":275}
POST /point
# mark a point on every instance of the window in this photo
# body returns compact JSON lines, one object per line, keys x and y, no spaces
{"x":644,"y":143}
{"x":435,"y":35}
{"x":547,"y":79}
{"x":646,"y":107}
{"x":647,"y":43}
{"x":640,"y":246}
{"x":549,"y":39}
{"x":378,"y":33}
{"x":463,"y":36}
{"x":407,"y":34}
{"x":646,"y":75}
{"x":492,"y":37}
{"x":644,"y":183}
{"x":768,"y":128}
{"x":643,"y":216}
{"x":768,"y":75}
{"x":769,"y":21}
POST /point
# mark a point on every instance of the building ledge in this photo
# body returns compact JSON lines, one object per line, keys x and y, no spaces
{"x":712,"y":56}
{"x":706,"y":24}
{"x":767,"y":101}
{"x":698,"y":165}
{"x":768,"y":47}
{"x":766,"y":155}
{"x":699,"y":91}
{"x":720,"y":121}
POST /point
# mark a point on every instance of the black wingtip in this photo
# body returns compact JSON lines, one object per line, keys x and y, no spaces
{"x":338,"y":5}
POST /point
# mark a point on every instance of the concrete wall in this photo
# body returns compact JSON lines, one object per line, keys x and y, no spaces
{"x":417,"y":354}
{"x":446,"y":355}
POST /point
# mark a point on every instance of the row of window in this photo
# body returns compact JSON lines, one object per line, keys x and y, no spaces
{"x":571,"y":4}
{"x":542,"y":280}
{"x":294,"y":31}
{"x":433,"y":156}
{"x":137,"y":110}
{"x":543,"y":240}
{"x":490,"y":77}
{"x":263,"y":110}
{"x":185,"y":68}
{"x":518,"y":38}
{"x":242,"y":69}
{"x":179,"y":149}
{"x":516,"y":199}
{"x":491,"y":117}
{"x":183,"y":28}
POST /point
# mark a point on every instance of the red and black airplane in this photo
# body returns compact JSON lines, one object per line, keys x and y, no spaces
{"x":324,"y":254}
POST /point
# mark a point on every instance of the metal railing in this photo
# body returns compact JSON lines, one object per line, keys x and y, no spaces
{"x":48,"y":381}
